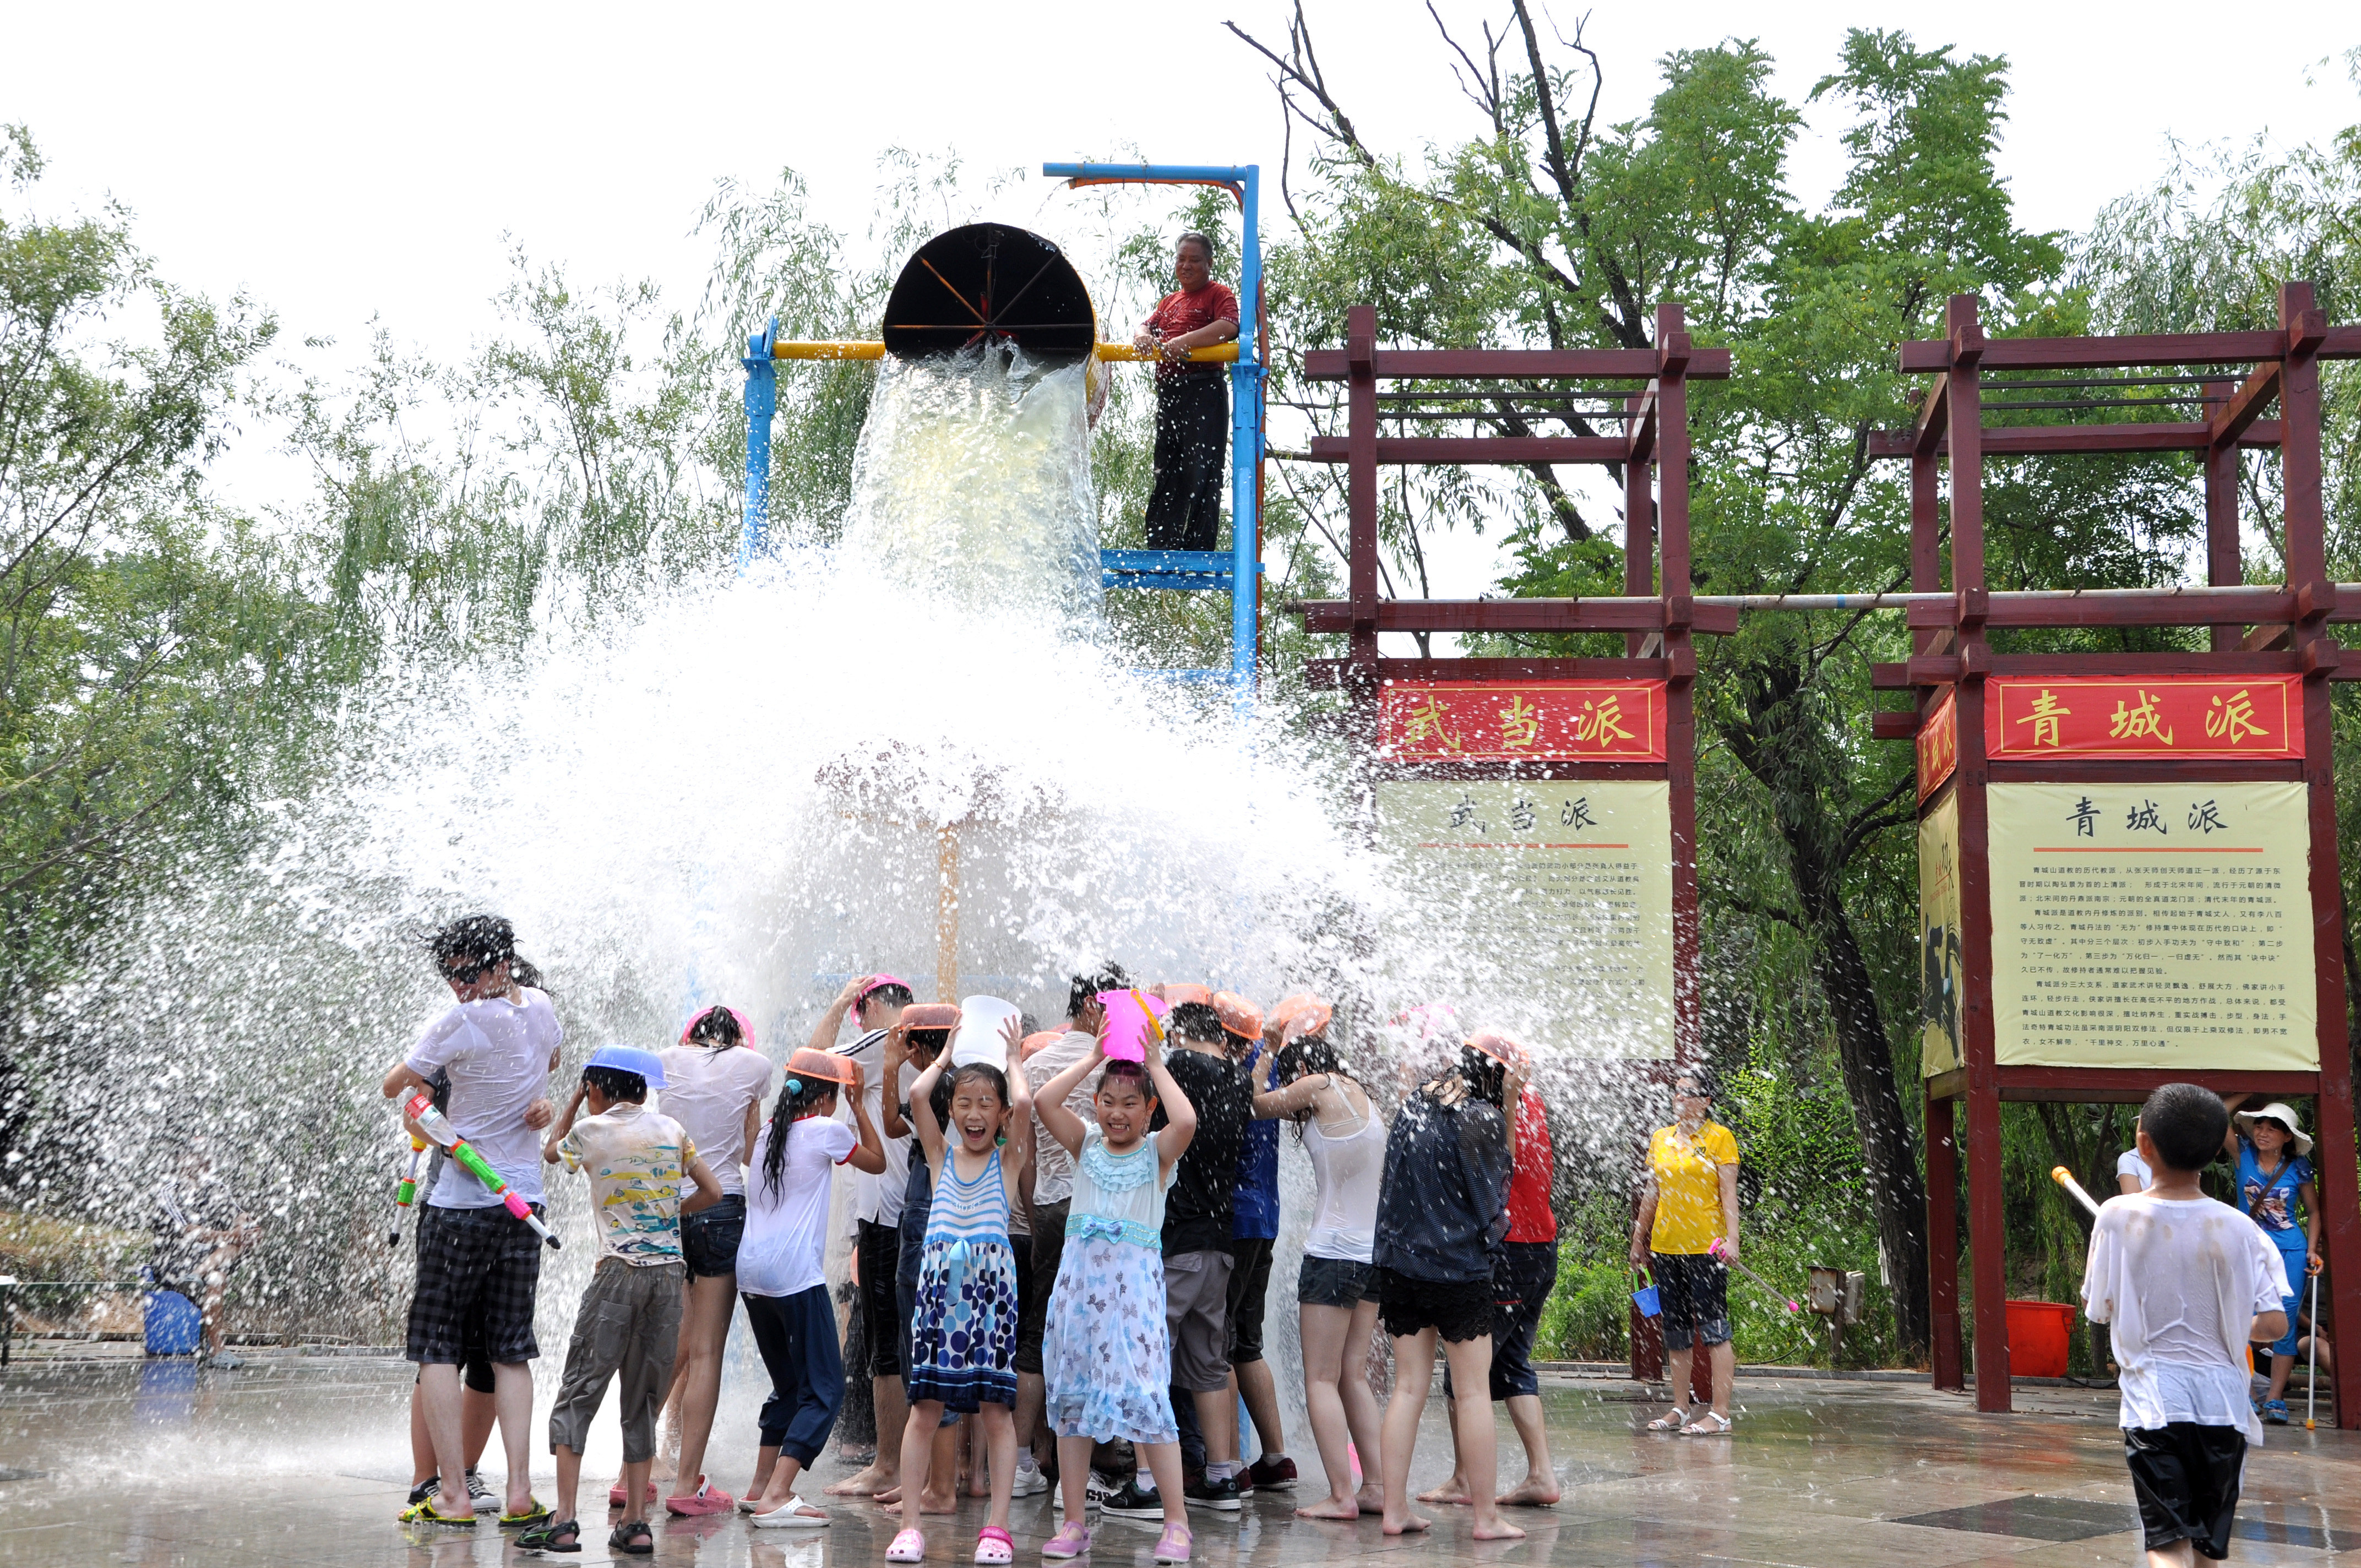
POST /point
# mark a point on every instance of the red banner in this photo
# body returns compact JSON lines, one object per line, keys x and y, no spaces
{"x":1939,"y":745}
{"x":2153,"y":718}
{"x":1557,"y":721}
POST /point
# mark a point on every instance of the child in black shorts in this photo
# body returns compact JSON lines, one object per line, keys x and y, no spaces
{"x":1442,"y":1205}
{"x":2184,"y":1284}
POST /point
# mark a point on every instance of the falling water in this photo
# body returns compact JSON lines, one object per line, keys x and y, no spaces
{"x":739,"y":795}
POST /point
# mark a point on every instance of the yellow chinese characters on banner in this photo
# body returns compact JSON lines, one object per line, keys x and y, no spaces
{"x":1541,"y":905}
{"x":1940,"y":979}
{"x":2149,"y":717}
{"x":2164,"y":925}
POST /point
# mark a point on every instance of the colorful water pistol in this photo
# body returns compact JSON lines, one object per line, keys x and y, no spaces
{"x":2065,"y":1179}
{"x":438,"y":1127}
{"x":406,"y":1193}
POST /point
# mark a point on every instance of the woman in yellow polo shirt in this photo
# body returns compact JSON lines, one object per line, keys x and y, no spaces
{"x":1689,"y":1201}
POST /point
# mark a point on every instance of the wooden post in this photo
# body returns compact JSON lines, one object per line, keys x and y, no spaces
{"x":1680,"y":658}
{"x":1943,"y":1243}
{"x":947,"y":912}
{"x":2225,"y":566}
{"x":1639,"y":517}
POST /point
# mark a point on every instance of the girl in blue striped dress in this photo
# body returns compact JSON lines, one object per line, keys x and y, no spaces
{"x":963,"y":1339}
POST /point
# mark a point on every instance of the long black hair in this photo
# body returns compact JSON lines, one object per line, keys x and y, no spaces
{"x":716,"y":1029}
{"x":799,"y":1097}
{"x":1301,"y":1059}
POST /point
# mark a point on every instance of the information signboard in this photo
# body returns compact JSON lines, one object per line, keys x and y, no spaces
{"x":2153,"y":924}
{"x":1557,"y":893}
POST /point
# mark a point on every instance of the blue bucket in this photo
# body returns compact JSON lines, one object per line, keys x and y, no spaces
{"x":173,"y":1325}
{"x":1645,"y":1299}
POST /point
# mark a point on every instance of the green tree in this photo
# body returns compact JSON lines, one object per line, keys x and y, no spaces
{"x":1545,"y":227}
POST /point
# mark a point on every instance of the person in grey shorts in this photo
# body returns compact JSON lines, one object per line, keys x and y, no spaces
{"x":638,"y":1161}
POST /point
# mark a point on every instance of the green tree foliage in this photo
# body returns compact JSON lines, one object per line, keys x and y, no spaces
{"x":151,"y":643}
{"x":1542,"y":226}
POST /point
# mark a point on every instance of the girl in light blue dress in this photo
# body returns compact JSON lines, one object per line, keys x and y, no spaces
{"x":963,"y":1337}
{"x":1105,"y":1358}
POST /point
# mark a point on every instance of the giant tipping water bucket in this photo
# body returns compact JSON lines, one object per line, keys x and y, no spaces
{"x":993,"y":286}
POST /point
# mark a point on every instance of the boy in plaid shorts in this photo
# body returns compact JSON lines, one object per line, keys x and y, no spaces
{"x":474,"y":1260}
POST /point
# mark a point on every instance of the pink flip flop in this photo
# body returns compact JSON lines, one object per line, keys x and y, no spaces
{"x":617,"y":1498}
{"x":706,"y":1498}
{"x":994,"y":1545}
{"x":910,"y":1546}
{"x":1074,"y":1538}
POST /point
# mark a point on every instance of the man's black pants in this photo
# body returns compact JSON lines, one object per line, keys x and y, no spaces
{"x":1193,"y":443}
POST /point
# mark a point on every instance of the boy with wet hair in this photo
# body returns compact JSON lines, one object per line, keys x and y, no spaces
{"x":1199,"y":1215}
{"x":2184,"y":1284}
{"x":478,"y":1269}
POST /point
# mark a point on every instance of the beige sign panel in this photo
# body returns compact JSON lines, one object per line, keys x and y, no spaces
{"x":1940,"y":974}
{"x":2152,"y":925}
{"x":1553,"y":899}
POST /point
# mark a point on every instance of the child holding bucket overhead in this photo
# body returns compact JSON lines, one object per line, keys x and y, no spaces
{"x":1106,"y":1354}
{"x":963,"y":1338}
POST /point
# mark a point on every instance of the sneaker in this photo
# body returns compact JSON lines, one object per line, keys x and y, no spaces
{"x":2276,"y":1413}
{"x":1099,"y":1486}
{"x":481,"y":1494}
{"x":1221,"y":1496}
{"x":423,"y":1491}
{"x":1269,"y":1475}
{"x":1028,"y":1481}
{"x":1129,"y":1502}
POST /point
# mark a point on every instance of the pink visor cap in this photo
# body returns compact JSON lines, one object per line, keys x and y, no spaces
{"x":878,"y":982}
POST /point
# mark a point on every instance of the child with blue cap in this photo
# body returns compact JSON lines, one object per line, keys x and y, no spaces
{"x":638,"y":1162}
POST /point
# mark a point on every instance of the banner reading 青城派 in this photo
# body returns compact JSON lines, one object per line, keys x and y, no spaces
{"x":1545,"y":905}
{"x":2158,"y":924}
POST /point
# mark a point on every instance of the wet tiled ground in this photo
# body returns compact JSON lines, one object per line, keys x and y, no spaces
{"x":305,"y":1461}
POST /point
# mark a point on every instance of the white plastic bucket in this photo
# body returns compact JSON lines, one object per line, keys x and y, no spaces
{"x":982,"y":1019}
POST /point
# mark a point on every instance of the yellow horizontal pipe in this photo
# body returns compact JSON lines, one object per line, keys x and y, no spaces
{"x":840,"y":350}
{"x":1109,"y":352}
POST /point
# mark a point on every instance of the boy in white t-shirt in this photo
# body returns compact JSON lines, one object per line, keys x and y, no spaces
{"x":2183,"y":1283}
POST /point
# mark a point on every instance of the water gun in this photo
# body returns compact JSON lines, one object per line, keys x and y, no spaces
{"x":2063,"y":1177}
{"x":406,"y":1193}
{"x":438,"y":1127}
{"x":1719,"y":1251}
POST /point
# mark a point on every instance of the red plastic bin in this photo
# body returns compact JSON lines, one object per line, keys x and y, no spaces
{"x":2039,"y":1332}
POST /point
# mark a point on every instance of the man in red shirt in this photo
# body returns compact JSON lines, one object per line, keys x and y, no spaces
{"x":1193,"y":405}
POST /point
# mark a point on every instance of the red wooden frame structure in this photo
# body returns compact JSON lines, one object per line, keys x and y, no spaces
{"x":1658,"y":616}
{"x":2262,"y":633}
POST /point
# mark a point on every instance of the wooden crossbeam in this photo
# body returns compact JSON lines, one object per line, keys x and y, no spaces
{"x":1517,"y":615}
{"x":1496,"y":363}
{"x":1329,"y":674}
{"x":2231,"y":420}
{"x":2062,"y":439}
{"x":2103,"y":353}
{"x":1479,"y":449}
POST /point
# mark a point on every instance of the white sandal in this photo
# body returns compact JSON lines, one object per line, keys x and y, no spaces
{"x":1709,"y":1425}
{"x":1675,"y":1422}
{"x":790,"y":1515}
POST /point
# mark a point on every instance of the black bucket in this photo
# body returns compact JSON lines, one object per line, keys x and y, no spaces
{"x":990,"y":285}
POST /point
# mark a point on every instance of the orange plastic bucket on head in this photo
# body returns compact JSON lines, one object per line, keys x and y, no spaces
{"x":2038,"y":1334}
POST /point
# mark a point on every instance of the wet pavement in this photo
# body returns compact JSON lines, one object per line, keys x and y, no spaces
{"x":305,"y":1460}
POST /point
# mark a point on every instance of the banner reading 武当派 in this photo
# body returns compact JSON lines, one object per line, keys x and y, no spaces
{"x":2152,"y":925}
{"x":1545,"y":905}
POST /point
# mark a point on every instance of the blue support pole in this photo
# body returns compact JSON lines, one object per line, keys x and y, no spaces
{"x":1247,"y":377}
{"x":762,"y":403}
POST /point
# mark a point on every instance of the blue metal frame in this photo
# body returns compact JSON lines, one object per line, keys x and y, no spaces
{"x":1243,"y":181}
{"x":1239,"y":571}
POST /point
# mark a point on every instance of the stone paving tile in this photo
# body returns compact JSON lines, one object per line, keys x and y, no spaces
{"x":302,"y":1466}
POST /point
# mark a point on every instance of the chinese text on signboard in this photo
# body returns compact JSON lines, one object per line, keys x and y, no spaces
{"x":1595,"y":721}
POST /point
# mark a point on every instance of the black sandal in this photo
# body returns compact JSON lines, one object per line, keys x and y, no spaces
{"x":634,"y":1539}
{"x":543,"y":1537}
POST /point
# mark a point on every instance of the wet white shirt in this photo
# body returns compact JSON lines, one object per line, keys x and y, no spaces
{"x":878,"y":1198}
{"x":2130,"y":1163}
{"x":706,"y":1092}
{"x":497,"y":1051}
{"x":2179,"y":1283}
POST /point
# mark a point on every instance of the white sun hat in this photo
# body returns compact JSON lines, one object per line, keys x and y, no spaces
{"x":2277,"y":1110}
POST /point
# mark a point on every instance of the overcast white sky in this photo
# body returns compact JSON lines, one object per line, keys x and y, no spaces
{"x":340,"y":162}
